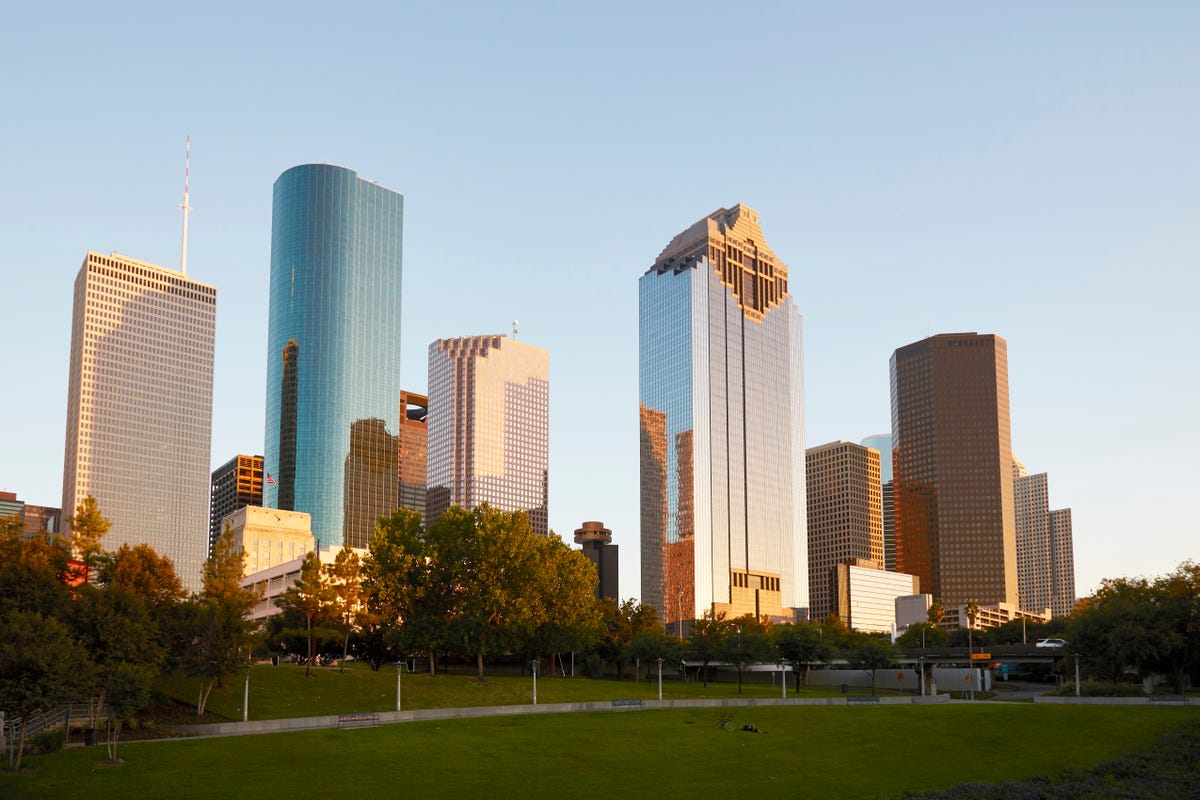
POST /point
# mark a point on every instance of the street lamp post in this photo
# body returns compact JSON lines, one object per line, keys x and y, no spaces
{"x":783,"y":678}
{"x":399,"y":671}
{"x":246,"y":696}
{"x":534,"y":663}
{"x":921,"y":673}
{"x":660,"y":679}
{"x":1077,"y":692}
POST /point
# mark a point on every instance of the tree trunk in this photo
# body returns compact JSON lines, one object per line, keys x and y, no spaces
{"x":345,"y":651}
{"x":202,"y":700}
{"x":739,"y":680}
{"x":21,"y":743}
{"x":311,"y":650}
{"x":432,"y":663}
{"x":479,"y":666}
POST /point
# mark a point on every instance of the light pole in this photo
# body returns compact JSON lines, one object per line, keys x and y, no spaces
{"x":921,"y":673}
{"x":1077,"y":693}
{"x":660,"y":679}
{"x":783,"y":678}
{"x":246,"y":696}
{"x":399,"y":671}
{"x":534,"y":663}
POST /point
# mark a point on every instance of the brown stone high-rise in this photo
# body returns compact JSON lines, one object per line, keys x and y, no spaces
{"x":955,"y":525}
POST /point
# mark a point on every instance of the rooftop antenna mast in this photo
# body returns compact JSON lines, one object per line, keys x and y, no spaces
{"x":515,"y":331}
{"x":187,"y":158}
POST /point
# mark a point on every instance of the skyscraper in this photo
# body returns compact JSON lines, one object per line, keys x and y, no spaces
{"x":139,"y":406}
{"x":489,"y":426}
{"x":1045,"y":557}
{"x":722,"y":426}
{"x":883,"y":443}
{"x":955,"y":526}
{"x":845,"y":519}
{"x":333,"y":350}
{"x":235,"y":484}
{"x":413,"y":444}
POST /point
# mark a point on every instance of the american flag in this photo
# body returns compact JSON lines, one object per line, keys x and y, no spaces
{"x":270,"y":480}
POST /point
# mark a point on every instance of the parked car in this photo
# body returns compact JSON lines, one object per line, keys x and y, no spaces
{"x":1051,"y":643}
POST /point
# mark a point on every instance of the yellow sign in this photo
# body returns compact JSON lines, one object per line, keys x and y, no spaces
{"x":980,"y":656}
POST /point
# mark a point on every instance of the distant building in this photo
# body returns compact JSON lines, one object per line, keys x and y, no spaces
{"x":864,"y":595}
{"x":35,"y":519}
{"x":722,"y":426}
{"x":489,"y":427}
{"x":911,"y":609}
{"x":333,"y":350}
{"x":991,"y":615}
{"x":269,"y":536}
{"x":139,"y":406}
{"x":235,"y":484}
{"x":596,"y":541}
{"x":883,"y":443}
{"x":273,"y":581}
{"x":411,"y":460}
{"x":955,"y":525}
{"x":845,"y":520}
{"x":1045,"y":556}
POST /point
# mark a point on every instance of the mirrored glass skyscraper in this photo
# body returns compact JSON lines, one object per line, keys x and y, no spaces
{"x":723,"y":517}
{"x":333,"y":351}
{"x":139,"y":406}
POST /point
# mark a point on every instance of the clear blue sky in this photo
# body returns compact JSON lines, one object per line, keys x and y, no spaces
{"x":1025,"y":169}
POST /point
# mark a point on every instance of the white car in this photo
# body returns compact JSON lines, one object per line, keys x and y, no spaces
{"x":1051,"y":643}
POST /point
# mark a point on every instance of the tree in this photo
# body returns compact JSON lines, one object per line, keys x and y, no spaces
{"x":972,"y":609}
{"x":88,"y":527}
{"x":564,"y":611}
{"x":141,"y":570}
{"x":935,"y":613}
{"x":871,"y":653}
{"x":708,"y":640}
{"x":32,"y":572}
{"x":922,"y":634}
{"x":749,"y":642}
{"x":802,"y":645}
{"x":652,"y":644}
{"x":128,"y":692}
{"x":621,"y":625}
{"x":311,"y":598}
{"x":41,"y":668}
{"x":345,"y":590}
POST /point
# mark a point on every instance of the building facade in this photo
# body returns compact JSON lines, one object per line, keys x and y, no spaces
{"x":34,"y":519}
{"x":139,"y":406}
{"x":411,"y":458}
{"x":235,"y":484}
{"x":955,"y":524}
{"x":864,"y":596}
{"x":333,"y":351}
{"x":1045,"y":556}
{"x":723,"y":524}
{"x":1062,"y":563}
{"x":596,"y":543}
{"x":883,"y":443}
{"x":489,"y":427}
{"x":845,"y":516}
{"x":268,"y":537}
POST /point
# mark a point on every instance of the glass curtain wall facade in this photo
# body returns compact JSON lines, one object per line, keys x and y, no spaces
{"x":723,"y":525}
{"x":139,"y":406}
{"x":883,"y":443}
{"x":488,"y":427}
{"x":955,"y":519}
{"x":333,"y":351}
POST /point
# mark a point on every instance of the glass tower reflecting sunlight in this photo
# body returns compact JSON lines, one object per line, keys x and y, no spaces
{"x":723,"y":514}
{"x":333,"y":351}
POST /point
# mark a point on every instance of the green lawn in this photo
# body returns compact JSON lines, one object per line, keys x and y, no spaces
{"x":283,"y":691}
{"x":823,"y":751}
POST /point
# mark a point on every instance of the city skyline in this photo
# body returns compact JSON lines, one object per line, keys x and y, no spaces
{"x":925,"y":170}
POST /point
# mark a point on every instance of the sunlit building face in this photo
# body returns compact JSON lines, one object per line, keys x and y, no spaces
{"x":139,"y":406}
{"x":722,"y":426}
{"x":488,"y":426}
{"x":333,"y":351}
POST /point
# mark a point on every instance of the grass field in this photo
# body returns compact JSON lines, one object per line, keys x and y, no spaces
{"x":283,"y":691}
{"x":825,"y":752}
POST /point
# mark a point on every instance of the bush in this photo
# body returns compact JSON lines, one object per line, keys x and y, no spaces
{"x":593,"y":666}
{"x":50,"y":741}
{"x":1099,"y":689}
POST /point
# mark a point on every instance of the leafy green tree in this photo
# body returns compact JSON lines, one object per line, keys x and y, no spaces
{"x":651,"y":644}
{"x":621,"y":625}
{"x":345,"y":589}
{"x":564,"y":611}
{"x":33,"y":572}
{"x":311,"y":598}
{"x":802,"y":646}
{"x":128,"y":691}
{"x":972,"y":609}
{"x":922,"y":634}
{"x":748,"y":643}
{"x":871,"y":653}
{"x":141,"y":570}
{"x":707,"y":640}
{"x":935,"y":614}
{"x":41,"y":667}
{"x":88,"y":528}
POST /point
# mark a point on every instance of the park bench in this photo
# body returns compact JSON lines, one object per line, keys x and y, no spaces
{"x":358,"y":720}
{"x":628,"y":704}
{"x":860,"y":698}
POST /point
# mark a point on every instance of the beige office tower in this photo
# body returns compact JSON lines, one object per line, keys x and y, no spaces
{"x":139,"y":406}
{"x":955,"y":526}
{"x":488,"y":427}
{"x":1045,"y":557}
{"x":845,"y":517}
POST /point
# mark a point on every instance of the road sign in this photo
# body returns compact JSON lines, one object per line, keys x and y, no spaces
{"x":981,"y":656}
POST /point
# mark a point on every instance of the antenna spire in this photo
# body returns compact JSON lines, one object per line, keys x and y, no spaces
{"x":515,"y":323}
{"x":187,"y":158}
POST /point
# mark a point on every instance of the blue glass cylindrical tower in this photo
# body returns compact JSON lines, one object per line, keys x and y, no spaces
{"x":333,"y":350}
